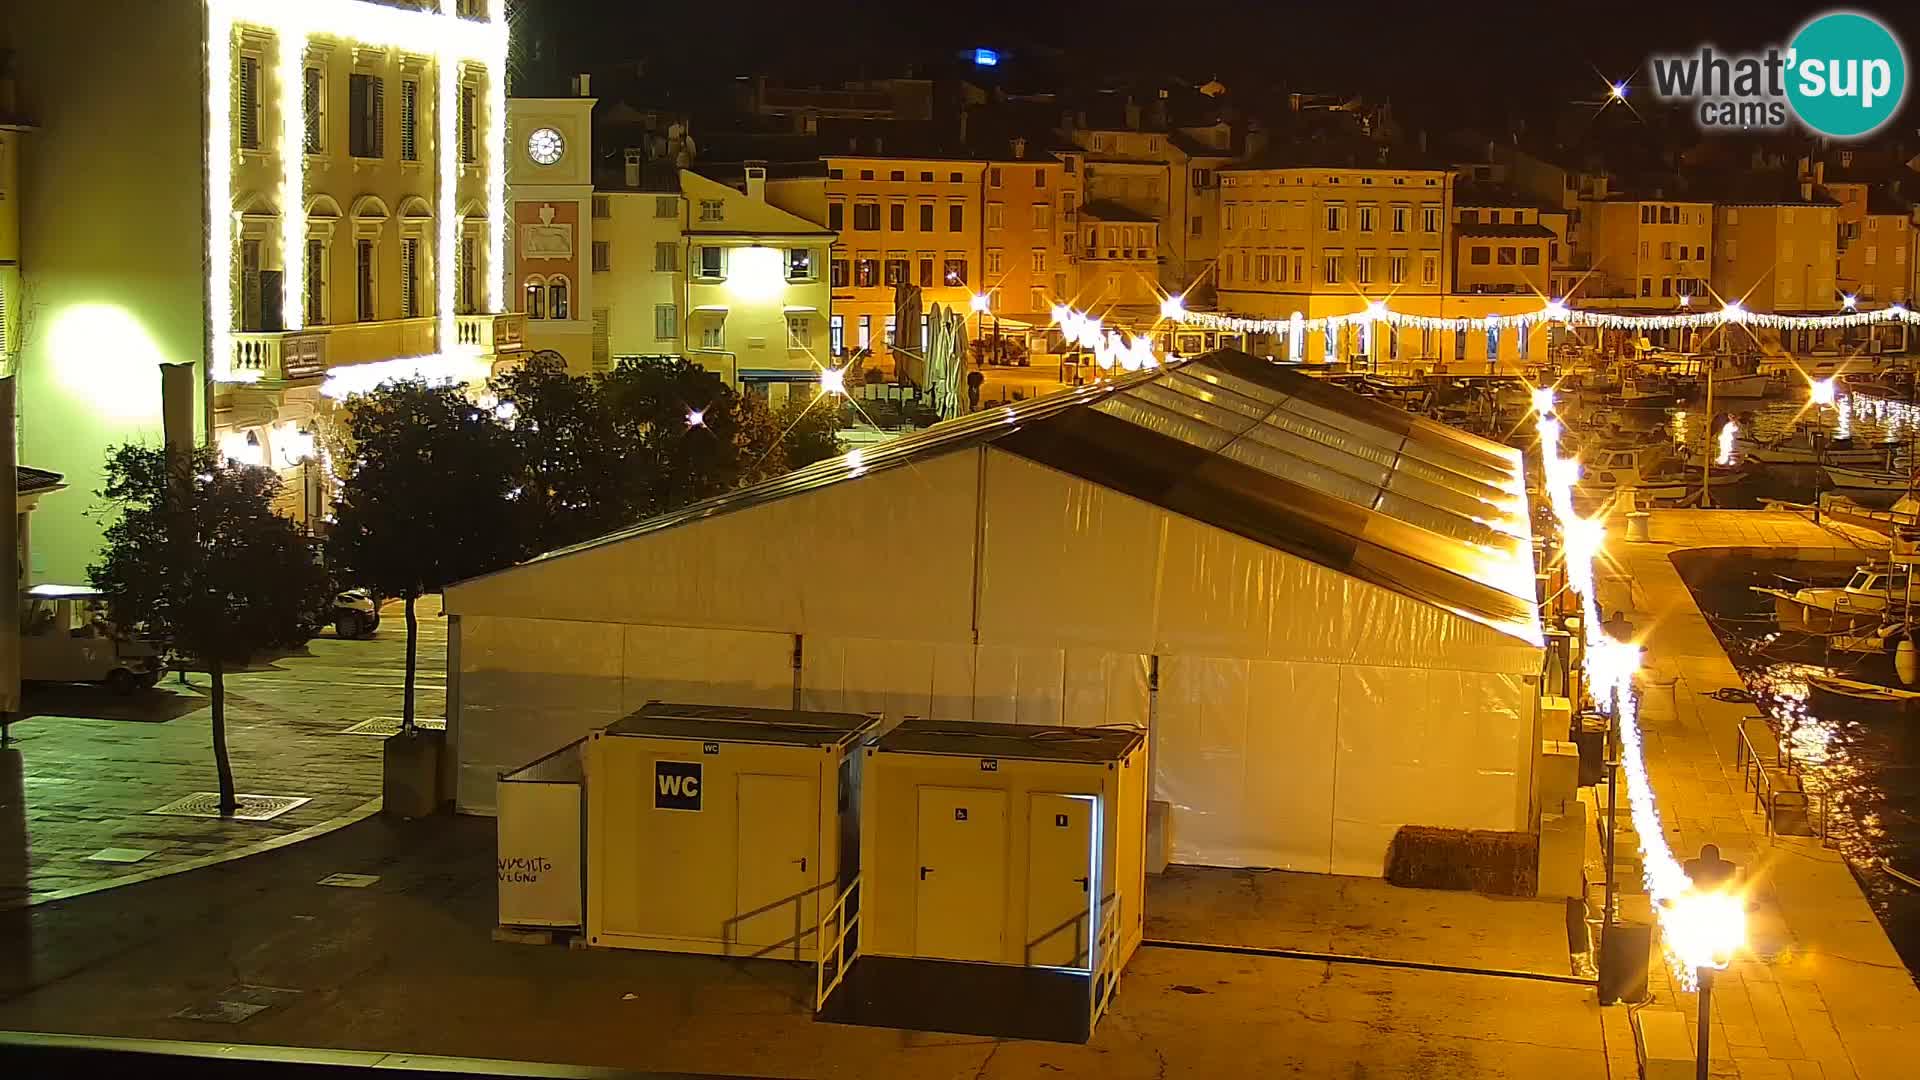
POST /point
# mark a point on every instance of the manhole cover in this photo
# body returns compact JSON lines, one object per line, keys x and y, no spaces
{"x":384,"y":726}
{"x":252,"y":807}
{"x":350,"y":881}
{"x":119,"y":855}
{"x":237,"y":1004}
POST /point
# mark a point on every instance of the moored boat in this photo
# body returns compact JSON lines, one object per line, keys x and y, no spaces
{"x":1831,"y":694}
{"x":1797,"y":449}
{"x":1868,"y":479}
{"x":1856,"y":607}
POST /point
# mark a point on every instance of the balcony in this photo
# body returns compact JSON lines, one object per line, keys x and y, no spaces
{"x":273,"y":357}
{"x":491,"y":333}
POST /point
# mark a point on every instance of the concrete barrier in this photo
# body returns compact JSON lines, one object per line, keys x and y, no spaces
{"x":1660,"y":1039}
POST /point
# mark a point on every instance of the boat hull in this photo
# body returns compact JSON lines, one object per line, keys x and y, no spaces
{"x":1831,"y":697}
{"x":1742,"y":386}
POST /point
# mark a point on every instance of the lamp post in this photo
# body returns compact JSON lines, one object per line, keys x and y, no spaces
{"x":981,"y":303}
{"x":1819,"y":395}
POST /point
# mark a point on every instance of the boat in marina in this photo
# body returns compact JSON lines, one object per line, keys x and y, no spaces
{"x":1857,"y":607}
{"x":1649,"y":469}
{"x":1886,"y":385}
{"x":1798,"y":449}
{"x":1644,"y":391}
{"x":1831,"y":695}
{"x":1737,"y":377}
{"x":1874,"y":480}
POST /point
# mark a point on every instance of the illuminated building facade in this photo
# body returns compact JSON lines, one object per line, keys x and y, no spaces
{"x":555,"y":249}
{"x":297,"y":199}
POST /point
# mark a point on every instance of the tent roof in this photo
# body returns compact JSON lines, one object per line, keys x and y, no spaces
{"x":1091,"y":745}
{"x":1244,"y":445}
{"x":727,"y":723}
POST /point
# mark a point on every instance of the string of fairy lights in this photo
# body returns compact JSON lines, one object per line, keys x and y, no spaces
{"x":1699,"y":930}
{"x":1553,"y":311}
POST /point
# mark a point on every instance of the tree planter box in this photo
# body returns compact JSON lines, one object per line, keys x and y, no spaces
{"x":410,"y":775}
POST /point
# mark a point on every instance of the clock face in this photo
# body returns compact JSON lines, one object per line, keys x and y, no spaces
{"x":545,"y":146}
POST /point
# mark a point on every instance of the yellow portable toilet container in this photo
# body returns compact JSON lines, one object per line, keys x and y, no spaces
{"x":1003,"y":881}
{"x":713,"y":829}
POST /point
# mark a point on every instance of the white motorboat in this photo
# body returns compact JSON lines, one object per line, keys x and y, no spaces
{"x":1736,"y":377}
{"x":1853,"y":608}
{"x":1797,"y":450}
{"x":1650,"y":470}
{"x":1868,"y":480}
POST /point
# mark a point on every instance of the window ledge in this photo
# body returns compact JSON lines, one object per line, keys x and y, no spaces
{"x":413,"y":165}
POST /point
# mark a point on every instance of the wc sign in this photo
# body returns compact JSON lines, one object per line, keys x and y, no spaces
{"x":676,"y":785}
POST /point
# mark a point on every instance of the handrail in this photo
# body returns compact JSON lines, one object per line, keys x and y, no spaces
{"x":1106,"y":962}
{"x":1771,"y":785}
{"x":833,"y":946}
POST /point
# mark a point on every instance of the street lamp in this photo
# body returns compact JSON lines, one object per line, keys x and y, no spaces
{"x":1705,"y":927}
{"x":981,"y":303}
{"x":1819,"y":395}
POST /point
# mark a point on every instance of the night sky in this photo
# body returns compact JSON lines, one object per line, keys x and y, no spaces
{"x":1466,"y":63}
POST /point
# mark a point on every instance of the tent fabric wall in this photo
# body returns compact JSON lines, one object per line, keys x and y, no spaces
{"x":530,"y":686}
{"x":780,"y":565}
{"x":1305,"y":766}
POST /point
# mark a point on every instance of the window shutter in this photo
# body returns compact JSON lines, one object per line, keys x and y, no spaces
{"x":357,"y":115}
{"x":379,"y":134}
{"x":409,"y":121}
{"x":469,"y":105}
{"x":310,"y":109}
{"x":249,"y":98}
{"x":3,"y":319}
{"x":409,"y":259}
{"x":602,"y":350}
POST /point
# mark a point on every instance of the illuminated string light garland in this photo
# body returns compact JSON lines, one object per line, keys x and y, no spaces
{"x":446,"y":37}
{"x":1109,"y":348}
{"x":1554,"y":311}
{"x":1696,"y":928}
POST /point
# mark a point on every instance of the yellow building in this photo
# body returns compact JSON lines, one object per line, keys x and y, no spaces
{"x":1874,"y":240}
{"x":1119,"y":265}
{"x":282,"y":195}
{"x":1647,"y":253}
{"x":757,"y":302}
{"x":1028,"y":257}
{"x":1171,"y":176}
{"x":1500,"y":244}
{"x":901,"y":220}
{"x":1775,"y":253}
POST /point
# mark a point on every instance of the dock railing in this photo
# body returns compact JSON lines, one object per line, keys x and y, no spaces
{"x":839,"y":943}
{"x":1106,"y":962}
{"x":1778,"y":791}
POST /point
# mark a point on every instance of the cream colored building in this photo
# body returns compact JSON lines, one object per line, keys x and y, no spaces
{"x":901,"y":220}
{"x":1331,"y":240}
{"x":1172,"y":177}
{"x":331,"y":185}
{"x":1648,"y":253}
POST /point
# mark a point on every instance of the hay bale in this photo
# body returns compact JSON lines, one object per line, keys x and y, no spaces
{"x":1474,"y":860}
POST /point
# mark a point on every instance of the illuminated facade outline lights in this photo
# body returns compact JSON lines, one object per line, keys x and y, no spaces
{"x":449,"y":40}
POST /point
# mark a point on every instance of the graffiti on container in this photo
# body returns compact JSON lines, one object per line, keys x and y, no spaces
{"x":523,"y":870}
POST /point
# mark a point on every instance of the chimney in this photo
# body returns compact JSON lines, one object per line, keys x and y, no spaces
{"x":1819,"y":174}
{"x":1019,"y":149}
{"x":8,"y":102}
{"x":583,"y":85}
{"x":633,"y":157}
{"x":1133,"y":115}
{"x":757,"y":181}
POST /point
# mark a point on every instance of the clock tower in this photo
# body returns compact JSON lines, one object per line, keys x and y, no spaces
{"x":550,"y":174}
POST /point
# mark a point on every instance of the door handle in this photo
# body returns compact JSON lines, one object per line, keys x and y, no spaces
{"x":803,"y":863}
{"x":924,"y":871}
{"x":1083,"y":884}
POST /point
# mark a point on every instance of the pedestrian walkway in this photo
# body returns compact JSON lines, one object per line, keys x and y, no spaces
{"x":406,"y":963}
{"x":87,"y":766}
{"x":1821,"y":992}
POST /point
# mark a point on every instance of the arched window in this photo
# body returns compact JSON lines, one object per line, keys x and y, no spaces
{"x":536,"y":302}
{"x":557,"y":298}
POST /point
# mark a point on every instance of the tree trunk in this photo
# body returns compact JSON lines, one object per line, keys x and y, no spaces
{"x":228,"y":802}
{"x":413,"y":638}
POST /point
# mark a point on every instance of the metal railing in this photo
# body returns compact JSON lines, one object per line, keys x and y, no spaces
{"x":1106,"y":963}
{"x":1778,"y":791}
{"x":839,"y":944}
{"x":491,"y":333}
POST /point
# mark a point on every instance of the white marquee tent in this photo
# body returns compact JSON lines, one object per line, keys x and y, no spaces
{"x":1321,"y":607}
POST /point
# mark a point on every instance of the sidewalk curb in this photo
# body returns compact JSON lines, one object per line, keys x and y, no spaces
{"x":359,"y":813}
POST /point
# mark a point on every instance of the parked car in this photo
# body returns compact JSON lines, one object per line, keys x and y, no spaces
{"x":65,"y":637}
{"x":356,"y":613}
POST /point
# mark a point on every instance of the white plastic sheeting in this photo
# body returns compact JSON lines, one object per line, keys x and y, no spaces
{"x":1313,"y":767}
{"x":529,"y":686}
{"x":989,"y":684}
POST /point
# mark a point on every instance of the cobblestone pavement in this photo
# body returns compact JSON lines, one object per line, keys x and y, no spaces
{"x":1820,"y":992}
{"x":87,"y":766}
{"x":406,"y":963}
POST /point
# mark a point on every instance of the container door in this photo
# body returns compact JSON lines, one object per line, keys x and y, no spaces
{"x":961,"y":905}
{"x":779,"y":848}
{"x":1060,"y":880}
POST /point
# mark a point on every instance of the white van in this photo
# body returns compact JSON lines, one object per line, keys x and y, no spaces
{"x":65,"y":637}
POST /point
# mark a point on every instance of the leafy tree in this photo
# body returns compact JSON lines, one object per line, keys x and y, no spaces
{"x":200,"y":563}
{"x":691,"y":436}
{"x":811,"y":431}
{"x":581,"y":475}
{"x":430,"y":497}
